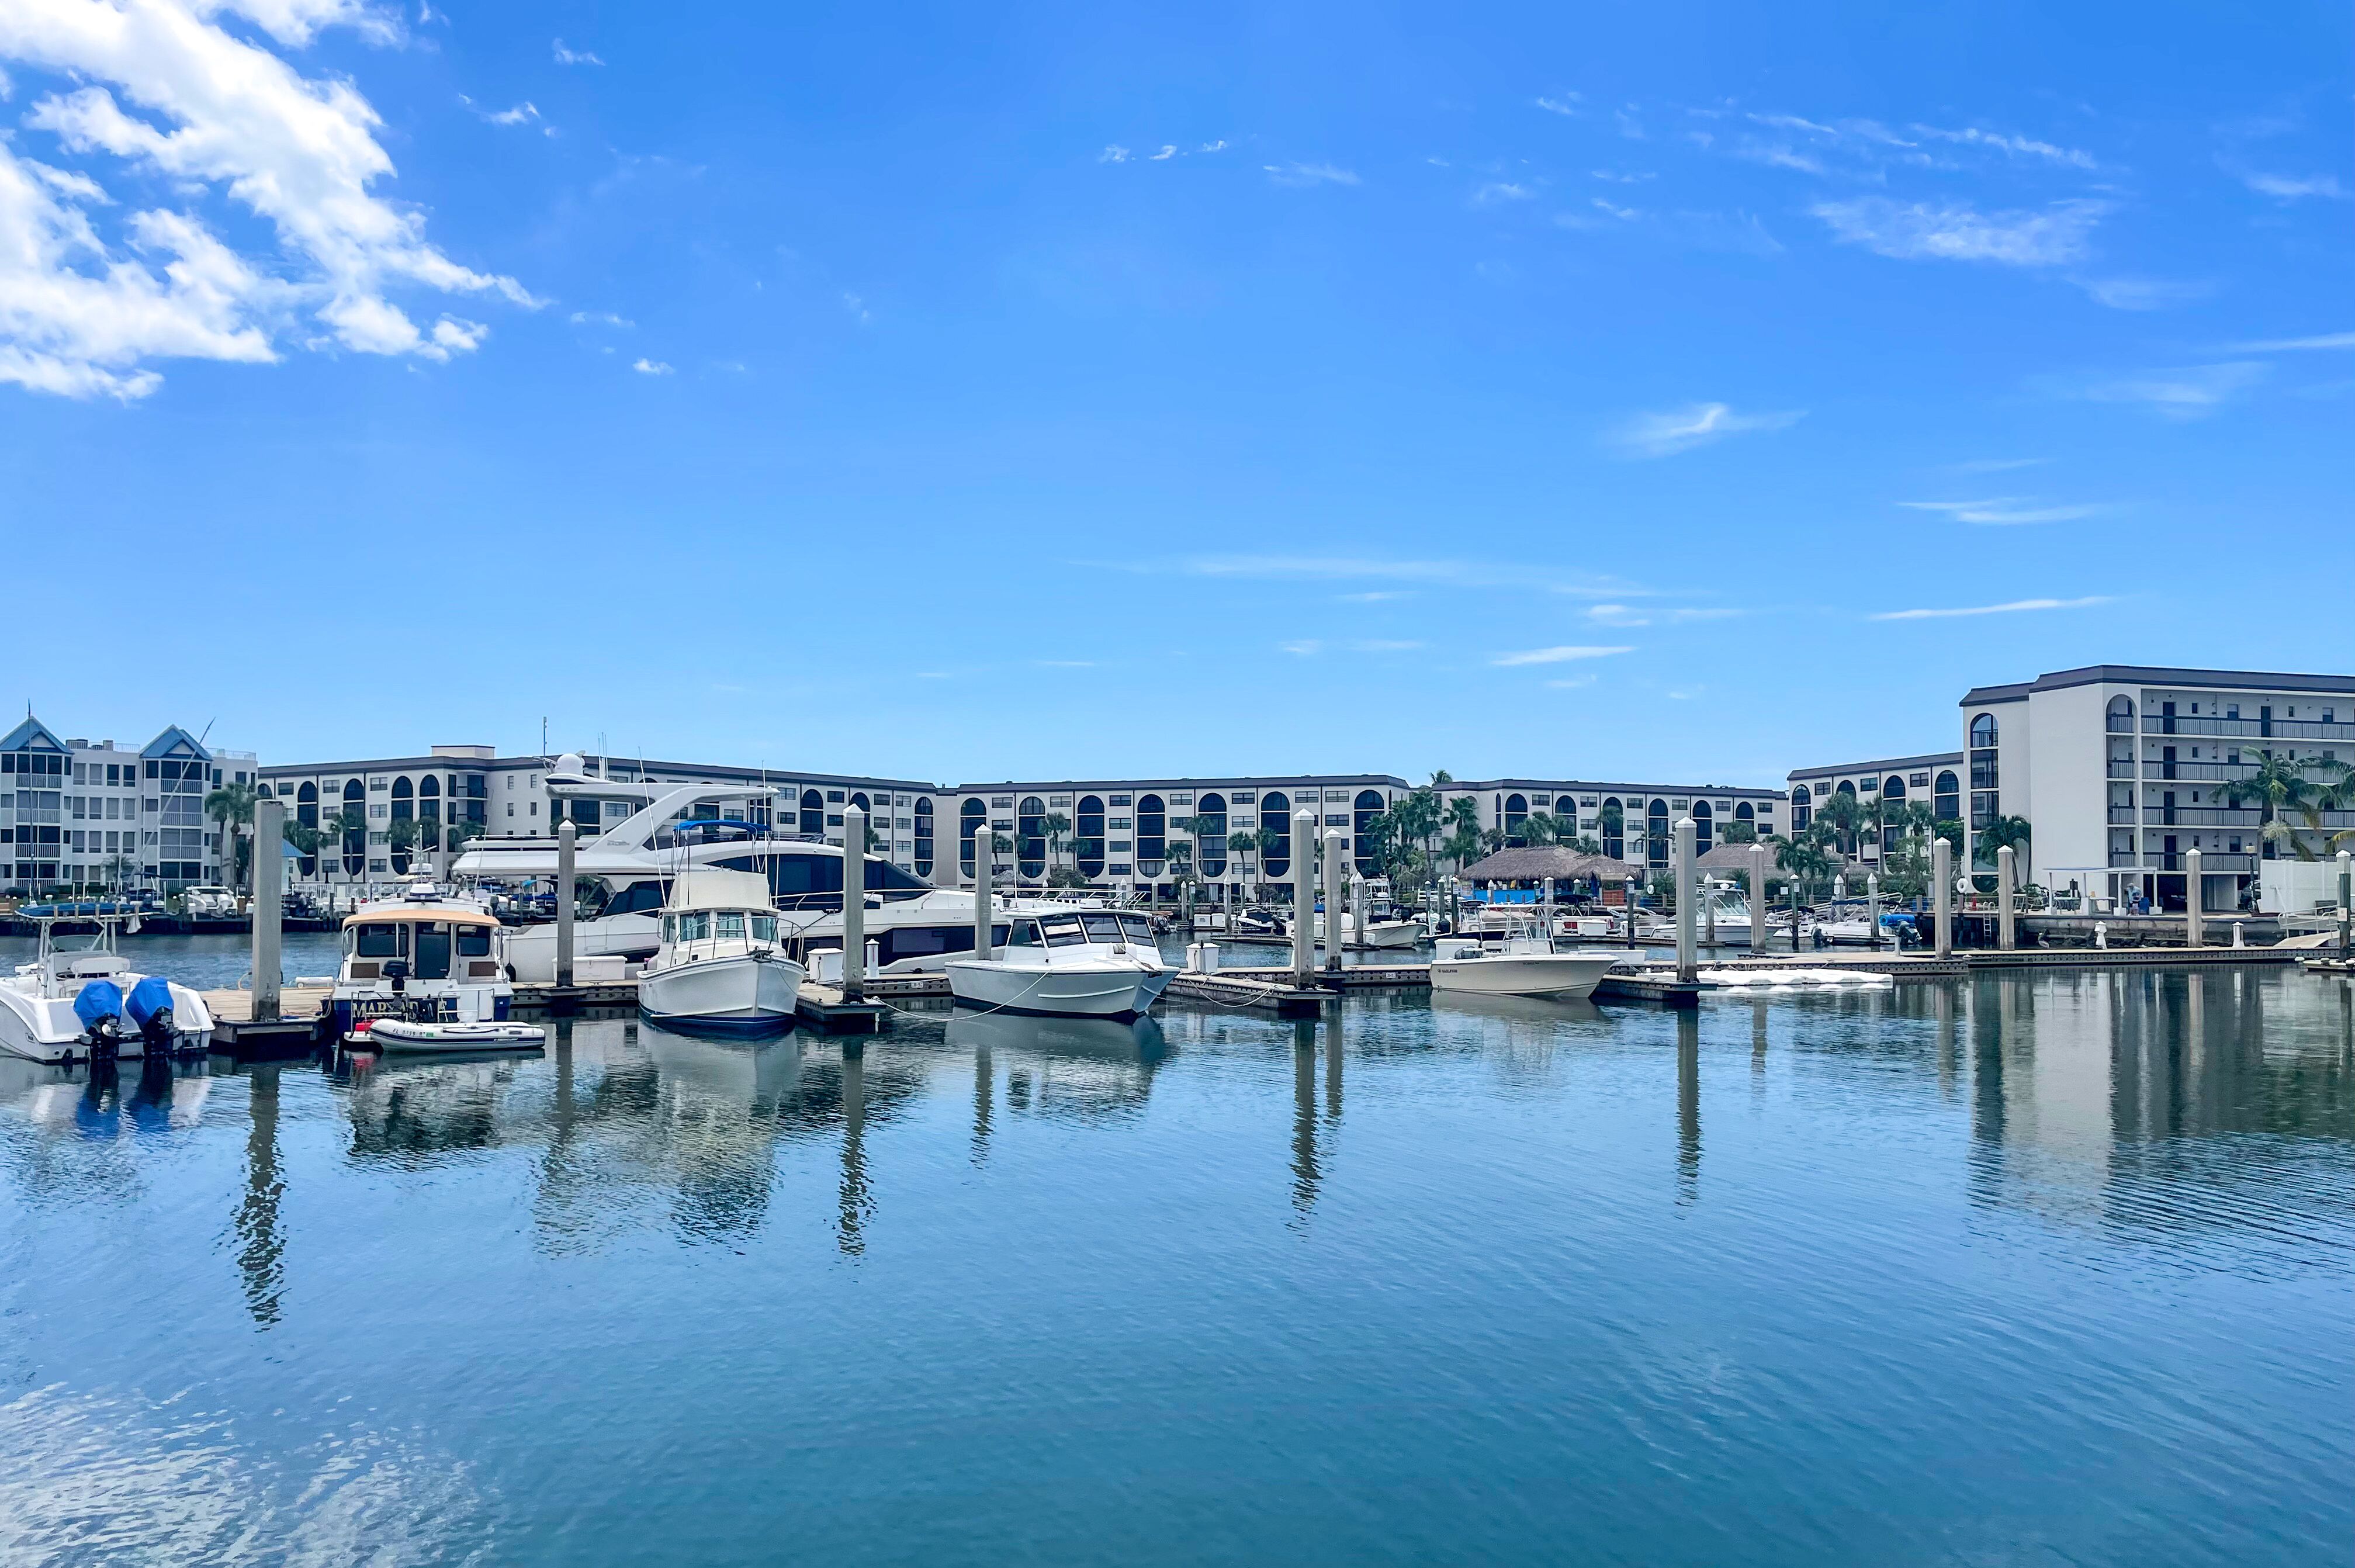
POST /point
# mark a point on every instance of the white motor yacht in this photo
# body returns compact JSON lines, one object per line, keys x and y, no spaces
{"x":1379,"y":934}
{"x":721,"y":963}
{"x":427,"y":958}
{"x":73,"y":1004}
{"x":1527,"y":964}
{"x":1068,"y":962}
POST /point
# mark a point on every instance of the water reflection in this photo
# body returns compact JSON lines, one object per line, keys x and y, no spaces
{"x":1688,"y":1105}
{"x":261,"y":1245}
{"x":1081,"y":1068}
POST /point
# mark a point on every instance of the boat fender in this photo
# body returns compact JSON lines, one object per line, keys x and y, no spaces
{"x":100,"y":1008}
{"x":149,"y":1006}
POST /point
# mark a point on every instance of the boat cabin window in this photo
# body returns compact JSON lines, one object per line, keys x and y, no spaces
{"x":730,"y":924}
{"x":1026,"y":935}
{"x":474,"y":941}
{"x":1102,"y":927}
{"x":1063,"y":932}
{"x":638,"y":898}
{"x":382,"y":940}
{"x":694,"y":927}
{"x":1138,"y":927}
{"x":670,"y":928}
{"x":764,"y":928}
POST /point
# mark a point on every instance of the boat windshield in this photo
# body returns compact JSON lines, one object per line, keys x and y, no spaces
{"x":764,"y":928}
{"x":1102,"y":927}
{"x":730,"y":924}
{"x":380,"y":939}
{"x":1062,"y":931}
{"x":474,"y":941}
{"x":1138,"y":927}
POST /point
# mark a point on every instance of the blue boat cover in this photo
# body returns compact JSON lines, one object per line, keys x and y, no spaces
{"x":99,"y":999}
{"x":150,"y":997}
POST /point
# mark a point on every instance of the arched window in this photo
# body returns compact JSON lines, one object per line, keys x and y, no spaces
{"x":1802,"y":807}
{"x":1704,"y":827}
{"x":1614,"y":827}
{"x":1656,"y":834}
{"x":2121,"y":719}
{"x":1210,"y":835}
{"x":1744,"y":812}
{"x":1152,"y":836}
{"x":1275,"y":816}
{"x":1030,"y":838}
{"x":813,"y":811}
{"x":1845,"y":787}
{"x":1088,"y":835}
{"x":306,"y":812}
{"x":971,"y":817}
{"x":858,"y":799}
{"x":1369,"y":805}
{"x":356,"y":834}
{"x":923,"y":837}
{"x":1894,"y":787}
{"x":1983,"y":730}
{"x":1517,"y":811}
{"x":404,"y":806}
{"x":1946,"y":797}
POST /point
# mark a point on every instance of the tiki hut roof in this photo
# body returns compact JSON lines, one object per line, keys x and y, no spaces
{"x":1535,"y":862}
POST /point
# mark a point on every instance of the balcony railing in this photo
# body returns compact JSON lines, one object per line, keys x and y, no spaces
{"x":2122,"y":817}
{"x":2122,"y":767}
{"x":2203,"y":771}
{"x":2271,"y":729}
{"x":2199,"y":816}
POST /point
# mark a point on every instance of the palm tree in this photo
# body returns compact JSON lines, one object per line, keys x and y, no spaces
{"x":231,"y":806}
{"x":2283,"y":786}
{"x":1539,"y":827}
{"x":119,"y":869}
{"x":400,"y":838}
{"x":1843,"y":816}
{"x":2000,"y":833}
{"x":1056,"y":829}
{"x":1805,"y":858}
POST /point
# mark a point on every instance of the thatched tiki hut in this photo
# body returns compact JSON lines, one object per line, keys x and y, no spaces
{"x":1523,"y":868}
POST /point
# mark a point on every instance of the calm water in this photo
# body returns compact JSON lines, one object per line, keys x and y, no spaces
{"x":2008,"y":1272}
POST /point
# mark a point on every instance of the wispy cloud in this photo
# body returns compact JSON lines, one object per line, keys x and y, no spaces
{"x":1571,"y":682}
{"x":574,"y":56}
{"x":1307,"y":647}
{"x":1375,"y":596}
{"x":1115,"y":154}
{"x":2188,"y":393}
{"x":2018,"y":146}
{"x":2293,"y":345}
{"x":651,"y":367}
{"x":1436,"y":573}
{"x":599,"y":318}
{"x":1500,"y":190}
{"x":2287,"y":187}
{"x":1681,"y":430}
{"x":1996,"y":464}
{"x":1217,"y":146}
{"x":1560,"y":102}
{"x":2005,"y":511}
{"x":2144,"y":293}
{"x":1956,"y":231}
{"x":1556,"y":655}
{"x":1308,"y":174}
{"x":522,"y":113}
{"x":2014,"y":607}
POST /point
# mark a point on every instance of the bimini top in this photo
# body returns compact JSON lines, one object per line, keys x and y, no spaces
{"x":448,"y":914}
{"x":711,"y":887}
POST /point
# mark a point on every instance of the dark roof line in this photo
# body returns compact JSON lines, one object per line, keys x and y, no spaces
{"x":1929,"y":759}
{"x":2160,"y":675}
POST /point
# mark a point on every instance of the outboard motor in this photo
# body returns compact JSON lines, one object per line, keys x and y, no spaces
{"x":100,"y":1008}
{"x":397,"y":971}
{"x":149,"y":1007}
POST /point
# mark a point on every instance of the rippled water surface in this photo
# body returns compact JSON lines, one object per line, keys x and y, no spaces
{"x":2050,"y":1271}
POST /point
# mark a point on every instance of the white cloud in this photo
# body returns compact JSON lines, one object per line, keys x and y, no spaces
{"x":1617,"y":615}
{"x":1560,"y":103}
{"x":1165,"y":155}
{"x":1305,"y":648}
{"x":1377,"y":596}
{"x":2290,"y":187}
{"x":2020,"y":146}
{"x":2004,"y":511}
{"x":1777,"y":156}
{"x":1556,"y":655}
{"x":1956,"y":231}
{"x":2189,"y":393}
{"x":1113,"y":154}
{"x":1217,"y":146}
{"x":651,"y":367}
{"x":520,"y":115}
{"x":2014,"y":607}
{"x":2144,"y":294}
{"x":1308,"y":174}
{"x":1681,"y":430}
{"x":574,"y":56}
{"x":2285,"y":345}
{"x":1500,"y":190}
{"x":1624,"y":214}
{"x":1570,"y":683}
{"x":599,"y":318}
{"x":82,"y":312}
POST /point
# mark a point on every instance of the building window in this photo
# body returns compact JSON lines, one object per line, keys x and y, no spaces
{"x":1029,"y":837}
{"x":923,"y":846}
{"x":1516,"y":812}
{"x":1152,"y":835}
{"x":1275,"y":812}
{"x":1946,"y":802}
{"x":1088,"y":835}
{"x":1656,"y":834}
{"x":1210,"y":835}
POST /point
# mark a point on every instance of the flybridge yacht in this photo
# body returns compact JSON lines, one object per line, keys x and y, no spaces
{"x":624,"y":873}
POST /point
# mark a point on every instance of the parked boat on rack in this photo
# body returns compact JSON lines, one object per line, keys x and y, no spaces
{"x":1077,"y":963}
{"x":1527,"y":964}
{"x":429,"y":956}
{"x":87,"y":1003}
{"x":721,"y":963}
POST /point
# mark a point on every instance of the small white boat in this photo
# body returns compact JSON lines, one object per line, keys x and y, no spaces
{"x":1085,"y":964}
{"x":425,"y":957}
{"x":1527,"y":964}
{"x":1764,"y":979}
{"x":1379,"y":934}
{"x":408,"y":1034}
{"x":75,"y":1004}
{"x":719,"y":964}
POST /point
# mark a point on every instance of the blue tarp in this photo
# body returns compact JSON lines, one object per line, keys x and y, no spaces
{"x":99,"y":1000}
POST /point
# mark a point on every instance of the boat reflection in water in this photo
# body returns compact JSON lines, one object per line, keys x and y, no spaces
{"x":1075,"y":1066}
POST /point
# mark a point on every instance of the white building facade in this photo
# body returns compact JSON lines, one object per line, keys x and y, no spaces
{"x":1933,"y":780}
{"x":357,"y":803}
{"x":2121,"y":770}
{"x":93,"y":815}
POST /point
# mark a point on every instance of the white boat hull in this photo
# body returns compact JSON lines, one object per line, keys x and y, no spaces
{"x":402,"y":1035}
{"x":751,"y":991}
{"x":531,"y":951}
{"x":45,"y":1030}
{"x":1094,"y":989}
{"x":1572,"y":975}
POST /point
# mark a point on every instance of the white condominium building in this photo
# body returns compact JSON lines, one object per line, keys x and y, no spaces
{"x":507,"y":797}
{"x":78,"y":813}
{"x":1933,"y":780}
{"x":2121,"y":770}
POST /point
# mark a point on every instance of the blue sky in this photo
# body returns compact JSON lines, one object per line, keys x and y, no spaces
{"x":1586,"y":391}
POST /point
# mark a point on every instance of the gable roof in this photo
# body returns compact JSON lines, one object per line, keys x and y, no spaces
{"x":171,"y":740}
{"x":32,"y":735}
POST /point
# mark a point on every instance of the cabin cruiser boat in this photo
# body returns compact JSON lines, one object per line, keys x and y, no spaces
{"x":424,"y":958}
{"x":87,"y":1003}
{"x":1528,"y":963}
{"x":1381,"y":934}
{"x":623,"y":876}
{"x":1068,"y":963}
{"x":719,"y":964}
